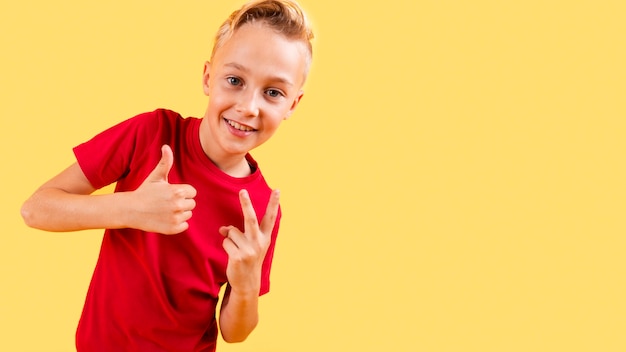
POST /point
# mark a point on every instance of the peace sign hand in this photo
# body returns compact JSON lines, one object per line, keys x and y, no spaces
{"x":246,"y":250}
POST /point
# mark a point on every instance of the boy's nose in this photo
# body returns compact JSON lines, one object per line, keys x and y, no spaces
{"x":247,"y":103}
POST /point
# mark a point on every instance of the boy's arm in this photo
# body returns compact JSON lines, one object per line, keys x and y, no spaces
{"x":239,"y":314}
{"x":66,"y":203}
{"x":246,"y":250}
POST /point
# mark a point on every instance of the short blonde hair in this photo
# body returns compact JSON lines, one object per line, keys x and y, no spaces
{"x":284,"y":16}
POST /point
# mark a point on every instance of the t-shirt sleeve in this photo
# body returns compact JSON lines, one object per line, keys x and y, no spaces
{"x":106,"y":157}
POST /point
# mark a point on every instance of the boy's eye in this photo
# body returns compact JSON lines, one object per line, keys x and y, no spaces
{"x":274,"y":93}
{"x":234,"y":81}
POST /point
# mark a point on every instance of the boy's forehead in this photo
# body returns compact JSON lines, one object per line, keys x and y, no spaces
{"x":254,"y":45}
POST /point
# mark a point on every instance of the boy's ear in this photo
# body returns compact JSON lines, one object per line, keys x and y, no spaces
{"x":205,"y":77}
{"x":295,"y":103}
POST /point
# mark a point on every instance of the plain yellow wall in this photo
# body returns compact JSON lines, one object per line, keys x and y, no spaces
{"x":453,"y":180}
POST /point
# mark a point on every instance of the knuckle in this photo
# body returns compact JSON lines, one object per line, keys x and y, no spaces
{"x":179,"y":205}
{"x":179,"y":192}
{"x":179,"y":218}
{"x":251,"y":221}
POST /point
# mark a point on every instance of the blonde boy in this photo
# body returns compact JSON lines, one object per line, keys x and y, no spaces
{"x":191,"y":210}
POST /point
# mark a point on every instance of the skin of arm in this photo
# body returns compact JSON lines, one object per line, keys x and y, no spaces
{"x":66,"y":203}
{"x":239,"y":314}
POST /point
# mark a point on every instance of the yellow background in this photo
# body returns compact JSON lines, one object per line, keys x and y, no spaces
{"x":453,"y":180}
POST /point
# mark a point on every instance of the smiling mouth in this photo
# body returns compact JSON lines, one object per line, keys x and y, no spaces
{"x":239,"y":126}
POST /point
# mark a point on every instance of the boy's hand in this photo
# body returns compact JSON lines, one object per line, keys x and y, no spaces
{"x":163,"y":207}
{"x":246,"y":250}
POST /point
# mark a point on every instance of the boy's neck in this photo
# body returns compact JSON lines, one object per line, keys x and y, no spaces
{"x":241,"y":169}
{"x":233,"y":167}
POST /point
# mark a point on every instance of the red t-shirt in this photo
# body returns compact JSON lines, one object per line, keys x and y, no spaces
{"x":152,"y":292}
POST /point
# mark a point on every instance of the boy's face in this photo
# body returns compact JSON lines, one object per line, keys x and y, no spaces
{"x":254,"y":83}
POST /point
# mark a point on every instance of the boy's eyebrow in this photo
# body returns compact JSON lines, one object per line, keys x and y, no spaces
{"x":273,"y":78}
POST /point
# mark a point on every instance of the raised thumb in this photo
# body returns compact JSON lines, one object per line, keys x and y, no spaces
{"x":162,"y":169}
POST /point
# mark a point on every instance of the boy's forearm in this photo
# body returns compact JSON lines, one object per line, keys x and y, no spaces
{"x":53,"y":209}
{"x":239,"y":315}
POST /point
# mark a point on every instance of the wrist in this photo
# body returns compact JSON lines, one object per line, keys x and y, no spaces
{"x":125,"y":210}
{"x":248,"y":285}
{"x":245,"y":292}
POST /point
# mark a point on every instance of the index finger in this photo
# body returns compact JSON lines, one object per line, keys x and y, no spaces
{"x":250,"y":222}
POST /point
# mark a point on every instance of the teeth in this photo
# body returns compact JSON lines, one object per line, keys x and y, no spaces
{"x":239,"y":126}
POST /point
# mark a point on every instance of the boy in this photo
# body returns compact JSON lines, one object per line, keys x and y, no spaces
{"x":194,"y":180}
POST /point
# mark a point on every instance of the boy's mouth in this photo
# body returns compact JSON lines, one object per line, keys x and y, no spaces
{"x":238,"y":126}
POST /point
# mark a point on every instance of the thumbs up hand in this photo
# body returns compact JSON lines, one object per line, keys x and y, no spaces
{"x":163,"y":207}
